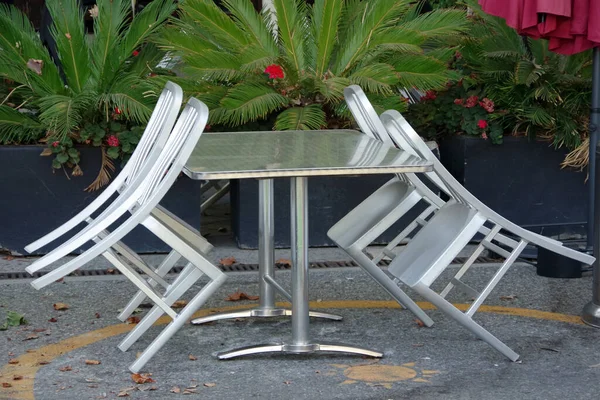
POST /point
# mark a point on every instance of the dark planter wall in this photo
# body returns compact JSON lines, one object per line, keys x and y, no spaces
{"x":35,"y":199}
{"x":522,"y":180}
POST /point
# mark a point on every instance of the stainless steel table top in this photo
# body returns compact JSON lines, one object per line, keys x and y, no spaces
{"x":274,"y":154}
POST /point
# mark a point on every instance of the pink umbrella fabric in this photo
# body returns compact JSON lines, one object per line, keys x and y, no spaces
{"x":571,"y":26}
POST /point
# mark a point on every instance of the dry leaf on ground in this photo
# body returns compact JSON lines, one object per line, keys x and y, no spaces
{"x":17,"y":377}
{"x":141,"y":378}
{"x":210,"y":384}
{"x":52,"y":320}
{"x":175,"y":389}
{"x":419,"y":323}
{"x":227,"y":261}
{"x":190,"y":391}
{"x":6,"y":385}
{"x":31,"y":337}
{"x":13,"y":361}
{"x":180,"y":304}
{"x":509,"y":297}
{"x":9,"y":258}
{"x":43,"y":362}
{"x":237,"y":296}
{"x":133,"y":320}
{"x":284,"y":261}
{"x":65,"y":368}
{"x":92,"y":362}
{"x":191,"y":357}
{"x":123,"y":394}
{"x":61,"y":306}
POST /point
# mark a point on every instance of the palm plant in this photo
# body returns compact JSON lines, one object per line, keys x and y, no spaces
{"x":99,"y":78}
{"x":543,"y":93}
{"x":310,"y":54}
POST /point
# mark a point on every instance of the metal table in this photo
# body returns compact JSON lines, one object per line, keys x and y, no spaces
{"x":296,"y":155}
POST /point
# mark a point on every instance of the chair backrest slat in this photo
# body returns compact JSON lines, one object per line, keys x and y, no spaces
{"x":365,"y":115}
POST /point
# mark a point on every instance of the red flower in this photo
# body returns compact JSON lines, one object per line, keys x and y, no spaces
{"x":482,"y":124}
{"x":55,"y":144}
{"x":484,"y":136}
{"x":487,"y":105}
{"x":117,"y":111}
{"x":274,"y":71}
{"x":112,"y":141}
{"x":135,"y":53}
{"x":459,"y":102}
{"x":471,"y":101}
{"x":458,"y":55}
{"x":430,"y":95}
{"x":207,"y":127}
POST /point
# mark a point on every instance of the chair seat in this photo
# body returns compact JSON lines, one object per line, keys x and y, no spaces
{"x":436,"y":244}
{"x":371,"y":213}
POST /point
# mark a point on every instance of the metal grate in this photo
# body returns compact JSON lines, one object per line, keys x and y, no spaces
{"x":230,"y":268}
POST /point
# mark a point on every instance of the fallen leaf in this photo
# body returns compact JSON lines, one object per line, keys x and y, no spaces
{"x":133,"y":320}
{"x":35,"y":65}
{"x":510,"y":297}
{"x":123,"y":394}
{"x":9,"y":258}
{"x":31,"y":337}
{"x":145,"y":388}
{"x":191,"y":357}
{"x":210,"y":384}
{"x":13,"y":319}
{"x":17,"y":377}
{"x":46,"y":152}
{"x":419,"y":323}
{"x":61,"y":306}
{"x":550,"y":349}
{"x":6,"y":385}
{"x":97,"y":315}
{"x":227,"y":261}
{"x":92,"y":362}
{"x":13,"y":361}
{"x":190,"y":391}
{"x":284,"y":261}
{"x":141,"y":378}
{"x":38,"y":330}
{"x":180,"y":304}
{"x":65,"y":368}
{"x":418,"y":345}
{"x":175,"y":389}
{"x":77,"y":171}
{"x":237,"y":296}
{"x":93,"y":386}
{"x":110,"y":271}
{"x":43,"y":362}
{"x":287,"y":382}
{"x":52,"y":320}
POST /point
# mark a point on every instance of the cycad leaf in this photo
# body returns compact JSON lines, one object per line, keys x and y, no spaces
{"x":184,"y":39}
{"x":332,"y":89}
{"x":421,"y":72}
{"x":217,"y":65}
{"x":108,"y":27}
{"x":249,"y":102}
{"x":326,"y":17}
{"x":311,"y":117}
{"x":68,"y":31}
{"x":377,"y":78}
{"x":292,"y":32}
{"x":64,"y":114}
{"x":253,"y":24}
{"x":18,"y":127}
{"x":19,"y":42}
{"x":135,"y":98}
{"x":441,"y":23}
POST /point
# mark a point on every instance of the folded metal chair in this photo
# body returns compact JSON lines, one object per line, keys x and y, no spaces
{"x":151,"y":143}
{"x":434,"y":247}
{"x":137,"y":202}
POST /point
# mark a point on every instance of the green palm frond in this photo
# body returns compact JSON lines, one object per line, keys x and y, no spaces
{"x":64,"y":114}
{"x":439,"y":24}
{"x":253,"y":24}
{"x":18,"y":127}
{"x":135,"y":99}
{"x":183,"y":38}
{"x":249,"y":102}
{"x":292,"y":27}
{"x":421,"y":71}
{"x":377,"y":78}
{"x":310,"y":117}
{"x":68,"y":31}
{"x":215,"y":65}
{"x":332,"y":89}
{"x":326,"y":18}
{"x":215,"y":23}
{"x":377,"y":17}
{"x":20,"y":43}
{"x":108,"y":31}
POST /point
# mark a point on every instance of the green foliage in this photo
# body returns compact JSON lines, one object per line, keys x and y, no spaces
{"x":444,"y":3}
{"x":110,"y":76}
{"x":13,"y":319}
{"x":540,"y":92}
{"x":315,"y":52}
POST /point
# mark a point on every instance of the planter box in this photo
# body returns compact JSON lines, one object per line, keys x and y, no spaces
{"x":329,"y":199}
{"x":36,"y":199}
{"x":521,"y":180}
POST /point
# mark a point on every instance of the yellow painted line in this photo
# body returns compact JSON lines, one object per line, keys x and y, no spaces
{"x":29,"y":363}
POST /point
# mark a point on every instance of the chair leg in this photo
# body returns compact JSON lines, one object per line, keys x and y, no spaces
{"x":162,"y":270}
{"x":466,"y":321}
{"x":389,"y":285}
{"x":189,"y":277}
{"x":177,"y":323}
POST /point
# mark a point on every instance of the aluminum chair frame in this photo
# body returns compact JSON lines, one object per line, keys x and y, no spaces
{"x":434,"y":247}
{"x":152,"y":141}
{"x":140,"y":198}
